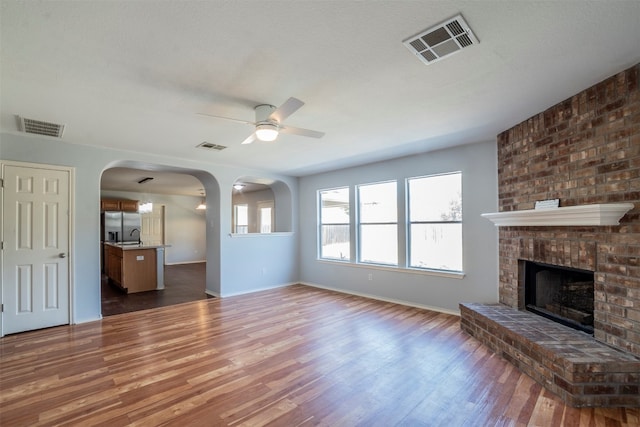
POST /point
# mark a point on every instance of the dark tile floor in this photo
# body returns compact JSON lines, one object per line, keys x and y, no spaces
{"x":183,"y":283}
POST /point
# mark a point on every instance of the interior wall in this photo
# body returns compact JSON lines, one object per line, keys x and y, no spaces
{"x":227,"y":258}
{"x":185,"y":227}
{"x":478,"y":165}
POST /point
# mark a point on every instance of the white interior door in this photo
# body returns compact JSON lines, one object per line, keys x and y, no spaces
{"x":35,"y":255}
{"x":153,"y":226}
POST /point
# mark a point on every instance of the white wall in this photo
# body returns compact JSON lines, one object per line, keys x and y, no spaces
{"x":227,"y":258}
{"x":185,"y":227}
{"x":478,"y":163}
{"x":238,"y":265}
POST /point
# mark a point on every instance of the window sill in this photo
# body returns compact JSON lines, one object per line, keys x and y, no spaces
{"x":248,"y":235}
{"x":425,"y":272}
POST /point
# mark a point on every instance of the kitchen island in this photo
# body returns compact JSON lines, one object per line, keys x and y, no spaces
{"x":134,"y":267}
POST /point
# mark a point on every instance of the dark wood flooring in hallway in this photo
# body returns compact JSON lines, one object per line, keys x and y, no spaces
{"x":183,"y":283}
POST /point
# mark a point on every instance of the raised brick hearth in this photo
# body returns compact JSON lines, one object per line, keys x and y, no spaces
{"x":571,"y":364}
{"x":585,"y":150}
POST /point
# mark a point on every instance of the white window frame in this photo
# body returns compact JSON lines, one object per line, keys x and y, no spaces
{"x":347,"y":256}
{"x":403,"y":225}
{"x":410,"y":223}
{"x":235,"y":219}
{"x":266,"y":204}
{"x":360,"y":223}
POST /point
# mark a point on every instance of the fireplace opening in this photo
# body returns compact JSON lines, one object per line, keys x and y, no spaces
{"x":562,"y":294}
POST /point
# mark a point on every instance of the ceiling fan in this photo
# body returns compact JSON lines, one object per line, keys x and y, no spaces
{"x":268,"y":124}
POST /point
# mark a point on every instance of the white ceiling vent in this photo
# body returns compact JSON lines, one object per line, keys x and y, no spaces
{"x":210,"y":146}
{"x":38,"y":127}
{"x":440,"y":41}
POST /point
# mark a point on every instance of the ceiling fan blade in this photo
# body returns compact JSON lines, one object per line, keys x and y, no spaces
{"x":250,"y":139}
{"x":226,"y":118}
{"x":302,"y":132}
{"x":289,"y":107}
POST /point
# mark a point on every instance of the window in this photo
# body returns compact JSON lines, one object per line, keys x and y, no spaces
{"x":378,"y":223}
{"x":429,"y":228}
{"x":334,"y":224}
{"x":265,"y":216}
{"x":435,"y":222}
{"x":242,"y":219}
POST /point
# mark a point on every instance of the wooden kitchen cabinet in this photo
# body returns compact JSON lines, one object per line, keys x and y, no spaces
{"x":109,"y":205}
{"x":139,"y":270}
{"x":119,"y":205}
{"x":129,"y":205}
{"x":132,"y":269}
{"x":113,"y":264}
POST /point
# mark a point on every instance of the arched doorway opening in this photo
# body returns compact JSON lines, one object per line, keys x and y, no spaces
{"x":171,"y":228}
{"x":261,"y":206}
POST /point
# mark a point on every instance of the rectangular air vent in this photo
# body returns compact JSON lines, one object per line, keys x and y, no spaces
{"x":39,"y":127}
{"x":440,"y":41}
{"x":210,"y":146}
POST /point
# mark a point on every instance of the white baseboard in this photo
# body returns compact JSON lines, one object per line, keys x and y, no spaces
{"x":391,"y":300}
{"x":185,"y":262}
{"x":213,"y":294}
{"x":329,"y":288}
{"x":266,"y":288}
{"x":91,"y":319}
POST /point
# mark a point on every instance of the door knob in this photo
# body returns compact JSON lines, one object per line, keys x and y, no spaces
{"x":62,"y":255}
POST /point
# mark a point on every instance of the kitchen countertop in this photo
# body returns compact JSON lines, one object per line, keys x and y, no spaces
{"x":128,"y":246}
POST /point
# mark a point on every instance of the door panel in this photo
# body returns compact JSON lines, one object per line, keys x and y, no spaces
{"x":25,"y":288}
{"x":153,"y":226}
{"x":51,"y":287}
{"x":35,"y":276}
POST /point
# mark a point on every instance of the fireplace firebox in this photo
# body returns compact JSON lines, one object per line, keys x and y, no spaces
{"x":562,"y":294}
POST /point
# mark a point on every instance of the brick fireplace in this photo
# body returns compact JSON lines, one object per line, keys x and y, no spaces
{"x":583,"y":151}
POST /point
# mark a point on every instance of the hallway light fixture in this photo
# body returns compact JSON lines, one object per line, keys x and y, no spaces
{"x":202,"y":206}
{"x":238,"y":186}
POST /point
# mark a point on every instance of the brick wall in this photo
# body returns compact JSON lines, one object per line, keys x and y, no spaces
{"x":583,"y":150}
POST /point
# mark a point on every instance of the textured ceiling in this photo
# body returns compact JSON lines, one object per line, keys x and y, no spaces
{"x":134,"y":75}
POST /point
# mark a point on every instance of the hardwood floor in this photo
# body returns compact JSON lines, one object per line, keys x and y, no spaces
{"x":183,"y":283}
{"x":295,"y":356}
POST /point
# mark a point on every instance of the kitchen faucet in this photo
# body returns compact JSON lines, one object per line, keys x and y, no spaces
{"x":131,"y":234}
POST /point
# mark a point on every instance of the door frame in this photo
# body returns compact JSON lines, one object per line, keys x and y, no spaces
{"x":71,"y":227}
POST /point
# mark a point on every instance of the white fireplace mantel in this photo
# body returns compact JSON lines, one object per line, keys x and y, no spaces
{"x":598,"y":214}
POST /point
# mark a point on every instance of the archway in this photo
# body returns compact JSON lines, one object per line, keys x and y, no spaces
{"x":182,"y":214}
{"x":256,"y":194}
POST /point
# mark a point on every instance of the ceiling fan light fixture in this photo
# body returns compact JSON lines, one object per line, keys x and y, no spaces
{"x":266,"y":132}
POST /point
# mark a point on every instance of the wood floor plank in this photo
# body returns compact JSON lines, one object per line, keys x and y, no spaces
{"x":295,"y":356}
